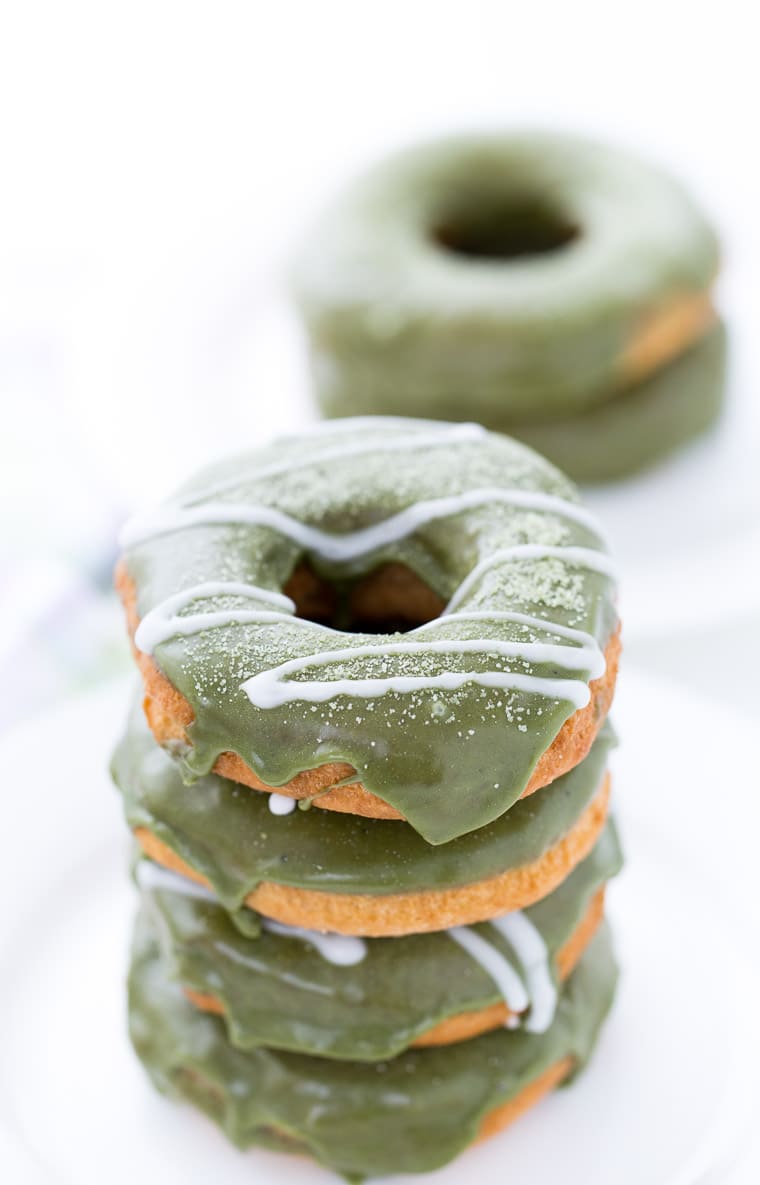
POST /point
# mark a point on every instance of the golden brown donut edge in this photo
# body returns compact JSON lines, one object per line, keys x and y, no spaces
{"x":665,"y":333}
{"x":389,"y":915}
{"x":168,"y":714}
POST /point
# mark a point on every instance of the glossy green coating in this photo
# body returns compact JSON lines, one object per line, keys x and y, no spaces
{"x":412,"y":1113}
{"x":280,"y":992}
{"x":490,"y":276}
{"x":450,"y":760}
{"x":640,"y":426}
{"x":227,"y":833}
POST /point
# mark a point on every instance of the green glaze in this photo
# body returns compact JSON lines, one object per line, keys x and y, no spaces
{"x":413,"y":1113}
{"x":227,"y":833}
{"x":642,"y":425}
{"x":450,"y":761}
{"x":402,"y":324}
{"x":280,"y":992}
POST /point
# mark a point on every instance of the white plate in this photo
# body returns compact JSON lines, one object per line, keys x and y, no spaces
{"x":663,"y":1103}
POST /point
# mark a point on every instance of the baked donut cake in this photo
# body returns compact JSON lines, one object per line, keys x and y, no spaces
{"x":367,"y":781}
{"x":349,"y":874}
{"x":413,"y":1113}
{"x":545,"y":285}
{"x":288,"y":987}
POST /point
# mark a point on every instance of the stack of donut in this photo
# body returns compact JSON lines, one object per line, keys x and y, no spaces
{"x":544,"y":285}
{"x":367,"y":781}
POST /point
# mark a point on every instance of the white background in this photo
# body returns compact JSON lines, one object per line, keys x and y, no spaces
{"x":157,"y":163}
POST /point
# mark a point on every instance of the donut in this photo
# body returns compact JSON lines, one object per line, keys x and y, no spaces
{"x":413,"y":1113}
{"x":342,"y":873}
{"x":421,"y":613}
{"x":369,"y":999}
{"x":509,"y":278}
{"x":466,"y":1024}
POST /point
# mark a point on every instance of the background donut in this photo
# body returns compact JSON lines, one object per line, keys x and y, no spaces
{"x":515,"y":279}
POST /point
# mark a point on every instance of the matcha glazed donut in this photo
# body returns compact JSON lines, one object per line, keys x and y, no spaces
{"x":515,"y":279}
{"x":256,"y":604}
{"x":368,"y":999}
{"x":412,"y":1113}
{"x":349,"y":875}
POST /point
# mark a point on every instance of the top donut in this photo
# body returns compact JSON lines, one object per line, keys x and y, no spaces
{"x":526,"y":275}
{"x":402,"y":618}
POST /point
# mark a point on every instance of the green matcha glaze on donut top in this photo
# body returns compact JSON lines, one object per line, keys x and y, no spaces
{"x":412,"y":1113}
{"x":447,"y":721}
{"x":227,"y":833}
{"x":507,"y":273}
{"x":370,"y":1000}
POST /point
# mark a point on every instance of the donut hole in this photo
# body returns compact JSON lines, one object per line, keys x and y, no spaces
{"x":390,"y":599}
{"x":505,"y":230}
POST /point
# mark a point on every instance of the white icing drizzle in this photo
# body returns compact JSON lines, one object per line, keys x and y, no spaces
{"x":269,"y":688}
{"x":352,"y":544}
{"x":340,"y":949}
{"x":164,"y":621}
{"x":540,"y":623}
{"x":345,"y":951}
{"x":440,"y":437}
{"x":280,"y":804}
{"x":272,"y":688}
{"x":580,"y":557}
{"x":494,"y":964}
{"x":530,"y":948}
{"x":533,"y":957}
